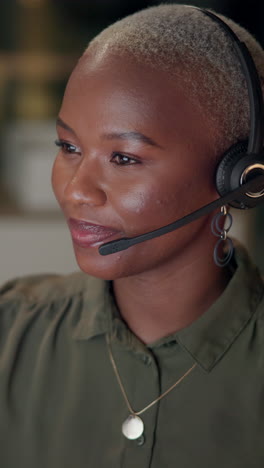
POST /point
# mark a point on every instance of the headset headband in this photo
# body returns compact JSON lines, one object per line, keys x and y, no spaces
{"x":256,"y":134}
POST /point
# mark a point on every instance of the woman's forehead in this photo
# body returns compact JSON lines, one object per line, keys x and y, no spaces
{"x":122,"y":91}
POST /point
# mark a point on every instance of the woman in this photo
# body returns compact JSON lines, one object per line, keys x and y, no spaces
{"x":153,"y":356}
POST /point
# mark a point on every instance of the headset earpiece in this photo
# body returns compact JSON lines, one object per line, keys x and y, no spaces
{"x":225,"y":168}
{"x":234,"y":169}
{"x":244,"y":160}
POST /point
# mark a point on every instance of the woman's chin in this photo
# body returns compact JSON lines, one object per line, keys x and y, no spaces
{"x":103,"y":267}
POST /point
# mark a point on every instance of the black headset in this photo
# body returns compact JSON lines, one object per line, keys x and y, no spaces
{"x":245,"y":158}
{"x":240,"y":174}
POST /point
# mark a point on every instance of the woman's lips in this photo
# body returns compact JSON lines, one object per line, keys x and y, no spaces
{"x":87,"y":234}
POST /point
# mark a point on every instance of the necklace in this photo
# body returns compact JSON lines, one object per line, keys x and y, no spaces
{"x":133,"y":426}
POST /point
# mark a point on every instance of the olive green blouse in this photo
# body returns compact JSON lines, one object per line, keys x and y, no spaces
{"x":60,"y":402}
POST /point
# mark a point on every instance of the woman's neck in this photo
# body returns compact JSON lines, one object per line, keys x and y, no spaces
{"x":158,"y":303}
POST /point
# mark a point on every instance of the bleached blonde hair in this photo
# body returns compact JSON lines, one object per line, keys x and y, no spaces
{"x":189,"y":45}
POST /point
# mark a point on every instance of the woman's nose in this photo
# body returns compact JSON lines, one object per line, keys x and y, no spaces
{"x":86,"y":187}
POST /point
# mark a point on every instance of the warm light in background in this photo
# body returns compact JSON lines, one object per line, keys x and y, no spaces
{"x":31,"y":3}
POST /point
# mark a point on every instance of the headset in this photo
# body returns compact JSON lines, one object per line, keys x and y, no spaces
{"x":239,"y":176}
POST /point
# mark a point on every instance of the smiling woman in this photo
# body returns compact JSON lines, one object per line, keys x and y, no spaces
{"x":157,"y":330}
{"x":108,"y":175}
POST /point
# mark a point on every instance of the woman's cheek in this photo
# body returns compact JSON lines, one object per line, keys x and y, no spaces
{"x":58,"y":180}
{"x":147,"y":208}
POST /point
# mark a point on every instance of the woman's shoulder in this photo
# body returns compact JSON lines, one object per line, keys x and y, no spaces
{"x":42,"y":288}
{"x":43,"y":319}
{"x":38,"y":300}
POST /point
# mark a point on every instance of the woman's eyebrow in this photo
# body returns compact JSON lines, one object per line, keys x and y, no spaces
{"x":136,"y":136}
{"x":61,"y":123}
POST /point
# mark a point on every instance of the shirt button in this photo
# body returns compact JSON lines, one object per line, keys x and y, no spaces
{"x":147,"y":360}
{"x":140,"y":441}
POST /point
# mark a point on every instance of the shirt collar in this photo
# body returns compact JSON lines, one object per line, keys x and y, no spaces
{"x":206,"y":340}
{"x":209,"y":337}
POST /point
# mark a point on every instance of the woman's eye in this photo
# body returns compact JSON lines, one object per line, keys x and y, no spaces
{"x":67,"y":147}
{"x":123,"y":160}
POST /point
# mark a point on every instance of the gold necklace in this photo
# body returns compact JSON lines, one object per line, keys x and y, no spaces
{"x":133,"y":426}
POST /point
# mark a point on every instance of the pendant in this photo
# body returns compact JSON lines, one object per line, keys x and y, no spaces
{"x":133,"y":427}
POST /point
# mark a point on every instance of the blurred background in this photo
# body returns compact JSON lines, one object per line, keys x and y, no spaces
{"x":40,"y":41}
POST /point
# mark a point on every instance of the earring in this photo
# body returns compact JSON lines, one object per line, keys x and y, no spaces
{"x":220,"y":232}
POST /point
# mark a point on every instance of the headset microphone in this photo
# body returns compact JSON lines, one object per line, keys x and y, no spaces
{"x":240,"y":173}
{"x":114,"y":246}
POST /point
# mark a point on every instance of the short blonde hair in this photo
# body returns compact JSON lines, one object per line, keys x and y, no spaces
{"x":190,"y":45}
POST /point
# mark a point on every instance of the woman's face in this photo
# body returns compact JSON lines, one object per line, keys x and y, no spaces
{"x":135,"y":155}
